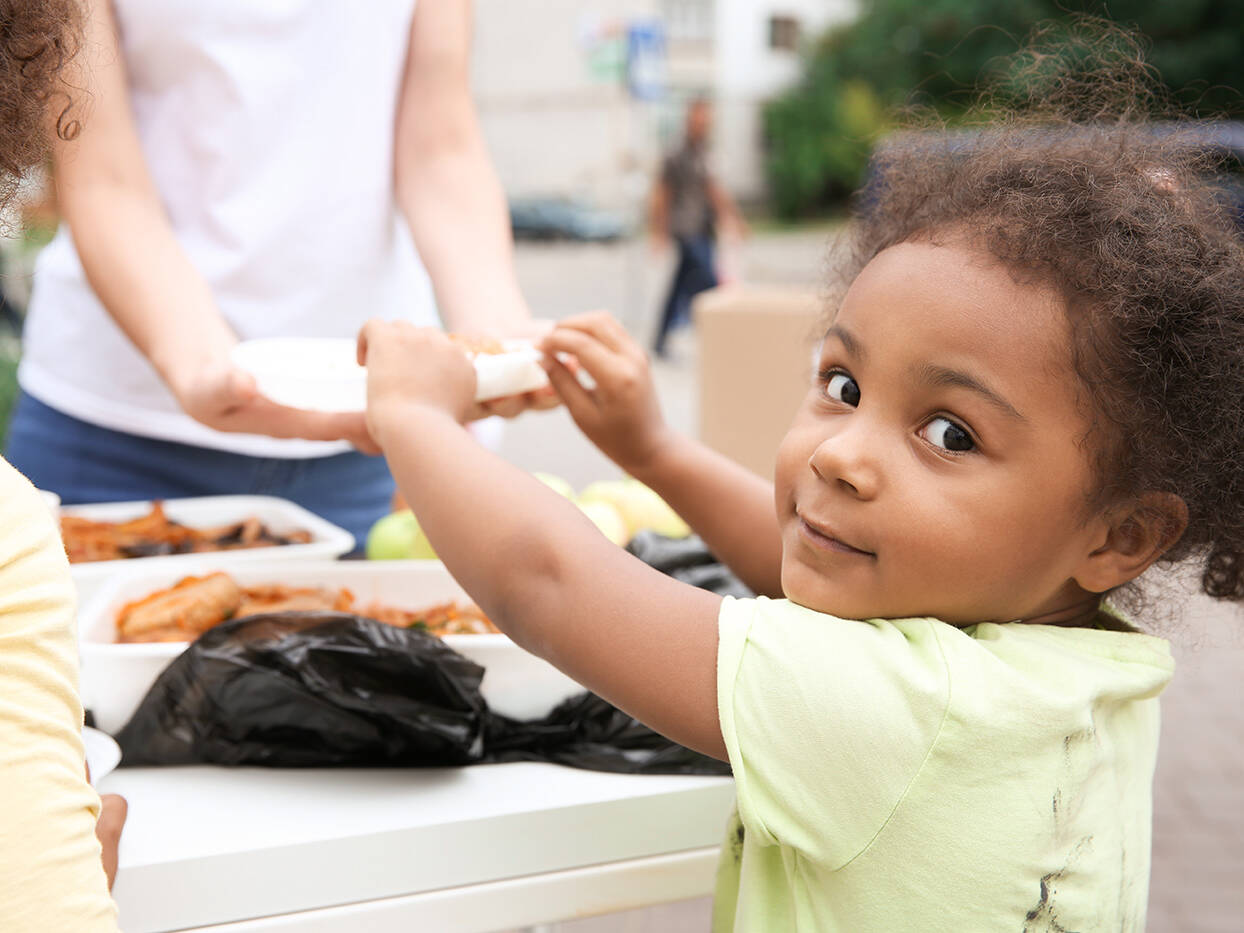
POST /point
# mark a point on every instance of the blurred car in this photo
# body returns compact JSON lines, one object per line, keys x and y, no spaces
{"x":565,"y":219}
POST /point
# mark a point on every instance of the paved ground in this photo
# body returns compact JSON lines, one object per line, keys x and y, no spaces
{"x":1198,"y":860}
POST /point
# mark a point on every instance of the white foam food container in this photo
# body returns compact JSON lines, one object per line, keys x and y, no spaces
{"x":322,"y":373}
{"x":280,"y":515}
{"x":103,"y":754}
{"x":115,"y":677}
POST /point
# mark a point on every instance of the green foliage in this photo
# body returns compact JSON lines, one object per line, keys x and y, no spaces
{"x":932,"y":53}
{"x":8,"y":388}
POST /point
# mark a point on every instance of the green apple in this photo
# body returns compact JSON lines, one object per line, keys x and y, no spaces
{"x":398,"y":537}
{"x":556,"y":483}
{"x":608,"y":519}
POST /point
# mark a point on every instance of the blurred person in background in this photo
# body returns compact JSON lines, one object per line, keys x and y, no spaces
{"x":690,"y":207}
{"x":52,"y":822}
{"x":249,"y":170}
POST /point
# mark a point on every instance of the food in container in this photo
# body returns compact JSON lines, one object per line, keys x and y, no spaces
{"x":282,"y":518}
{"x":117,"y":675}
{"x":191,"y":606}
{"x":155,"y":535}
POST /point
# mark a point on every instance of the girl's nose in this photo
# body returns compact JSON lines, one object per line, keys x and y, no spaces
{"x":848,"y":459}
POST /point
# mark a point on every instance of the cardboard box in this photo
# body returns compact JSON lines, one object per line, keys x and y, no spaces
{"x":756,"y":355}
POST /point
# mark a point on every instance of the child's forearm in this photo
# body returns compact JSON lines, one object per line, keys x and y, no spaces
{"x":728,"y":506}
{"x":493,"y":525}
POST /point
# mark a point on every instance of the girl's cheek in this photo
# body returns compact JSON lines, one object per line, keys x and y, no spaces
{"x":790,"y":455}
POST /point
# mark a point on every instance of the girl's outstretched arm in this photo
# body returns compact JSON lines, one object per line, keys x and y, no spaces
{"x":534,"y":563}
{"x":728,"y":506}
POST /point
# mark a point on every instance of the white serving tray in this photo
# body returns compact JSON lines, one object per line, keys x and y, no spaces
{"x":280,"y":515}
{"x":115,"y":677}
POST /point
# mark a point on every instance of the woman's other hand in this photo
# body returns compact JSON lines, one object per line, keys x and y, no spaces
{"x":412,"y":366}
{"x":112,"y":813}
{"x":221,"y":396}
{"x":620,"y":414}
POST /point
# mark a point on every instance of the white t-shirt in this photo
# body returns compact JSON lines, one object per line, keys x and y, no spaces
{"x":268,"y":130}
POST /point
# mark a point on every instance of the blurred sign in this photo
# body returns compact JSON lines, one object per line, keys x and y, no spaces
{"x":603,"y":42}
{"x":645,"y":58}
{"x":625,"y":52}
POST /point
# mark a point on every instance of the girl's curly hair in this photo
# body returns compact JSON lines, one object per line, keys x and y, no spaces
{"x":37,"y":40}
{"x":1077,"y":186}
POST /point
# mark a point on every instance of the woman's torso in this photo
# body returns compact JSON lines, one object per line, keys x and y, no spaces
{"x":268,"y":131}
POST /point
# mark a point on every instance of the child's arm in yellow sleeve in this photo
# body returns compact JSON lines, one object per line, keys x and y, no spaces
{"x":51,"y":876}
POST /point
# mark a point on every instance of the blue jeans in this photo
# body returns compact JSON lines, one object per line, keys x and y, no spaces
{"x":696,"y":272}
{"x":82,"y":462}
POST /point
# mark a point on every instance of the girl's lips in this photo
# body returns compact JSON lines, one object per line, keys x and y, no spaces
{"x":824,"y":540}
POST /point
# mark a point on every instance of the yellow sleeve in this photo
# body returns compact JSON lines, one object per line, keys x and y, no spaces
{"x":51,"y":876}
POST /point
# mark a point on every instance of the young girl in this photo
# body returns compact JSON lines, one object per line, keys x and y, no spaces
{"x":1028,"y":395}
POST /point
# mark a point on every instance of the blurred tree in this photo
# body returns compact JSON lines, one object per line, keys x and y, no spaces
{"x":932,"y":52}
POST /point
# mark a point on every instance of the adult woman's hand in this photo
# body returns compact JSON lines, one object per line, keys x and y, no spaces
{"x":221,"y":396}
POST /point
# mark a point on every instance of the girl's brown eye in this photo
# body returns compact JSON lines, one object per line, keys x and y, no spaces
{"x":842,"y":388}
{"x":944,"y":433}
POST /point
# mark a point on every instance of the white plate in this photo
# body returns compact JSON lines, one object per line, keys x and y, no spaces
{"x":115,"y":677}
{"x":280,"y":515}
{"x":321,"y":374}
{"x":103,"y":754}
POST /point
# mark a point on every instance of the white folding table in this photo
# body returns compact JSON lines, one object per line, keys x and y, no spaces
{"x":463,"y":850}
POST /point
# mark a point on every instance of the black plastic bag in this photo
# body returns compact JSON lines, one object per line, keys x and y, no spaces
{"x":311,"y":688}
{"x":314,"y":689}
{"x":689,"y":560}
{"x":588,"y":732}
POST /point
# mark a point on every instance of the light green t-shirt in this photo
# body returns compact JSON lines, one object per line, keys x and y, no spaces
{"x":910,"y":775}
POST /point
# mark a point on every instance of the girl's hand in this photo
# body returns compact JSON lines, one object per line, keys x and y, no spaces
{"x":620,"y":415}
{"x":409,"y":366}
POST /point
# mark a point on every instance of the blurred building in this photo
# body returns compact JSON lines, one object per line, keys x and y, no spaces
{"x":756,"y":56}
{"x":556,"y":108}
{"x":579,"y":97}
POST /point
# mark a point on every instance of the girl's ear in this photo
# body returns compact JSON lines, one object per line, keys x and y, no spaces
{"x":1136,"y":536}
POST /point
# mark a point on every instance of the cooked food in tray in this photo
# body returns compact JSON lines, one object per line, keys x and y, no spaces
{"x":193,"y":605}
{"x":156,"y":535}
